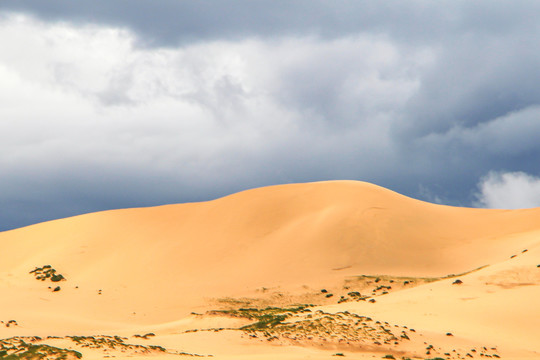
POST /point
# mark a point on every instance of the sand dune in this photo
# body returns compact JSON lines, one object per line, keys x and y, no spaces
{"x":150,"y":268}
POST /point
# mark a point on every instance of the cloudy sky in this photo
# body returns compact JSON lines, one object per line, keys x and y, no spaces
{"x":110,"y":104}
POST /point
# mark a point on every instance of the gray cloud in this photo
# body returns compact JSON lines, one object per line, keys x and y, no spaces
{"x":102,"y":107}
{"x":169,"y":22}
{"x":475,"y":79}
{"x":513,"y":134}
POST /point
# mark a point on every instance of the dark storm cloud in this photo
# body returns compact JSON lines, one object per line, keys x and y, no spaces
{"x":173,"y":21}
{"x":167,"y":22}
{"x":111,"y":104}
{"x":477,"y":78}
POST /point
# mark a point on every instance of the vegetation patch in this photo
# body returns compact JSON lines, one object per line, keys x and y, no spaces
{"x":114,"y":342}
{"x":47,"y":272}
{"x":26,"y":348}
{"x":33,"y":348}
{"x":365,"y":287}
{"x":300,"y":324}
{"x":353,"y":288}
{"x":265,"y":318}
{"x":342,"y":328}
{"x":293,"y":324}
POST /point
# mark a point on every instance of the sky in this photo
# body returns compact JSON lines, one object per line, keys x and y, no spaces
{"x":130,"y":103}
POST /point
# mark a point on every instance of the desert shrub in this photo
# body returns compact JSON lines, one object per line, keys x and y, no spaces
{"x":57,"y":277}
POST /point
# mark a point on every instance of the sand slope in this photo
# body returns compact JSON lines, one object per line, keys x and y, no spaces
{"x":154,"y":266}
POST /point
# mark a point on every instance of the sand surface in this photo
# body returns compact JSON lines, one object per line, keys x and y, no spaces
{"x":352,"y":250}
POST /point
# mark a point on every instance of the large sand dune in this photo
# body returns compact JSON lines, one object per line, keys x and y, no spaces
{"x":148,"y":269}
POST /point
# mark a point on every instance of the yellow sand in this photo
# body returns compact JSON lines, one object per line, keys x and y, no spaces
{"x":154,"y":266}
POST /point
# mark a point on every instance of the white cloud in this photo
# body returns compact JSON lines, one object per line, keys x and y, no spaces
{"x":89,"y":91}
{"x":509,"y":190}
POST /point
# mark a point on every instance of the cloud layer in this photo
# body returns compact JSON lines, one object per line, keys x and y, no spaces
{"x":104,"y":110}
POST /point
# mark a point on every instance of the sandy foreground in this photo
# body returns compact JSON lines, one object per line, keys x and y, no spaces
{"x":302,"y":271}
